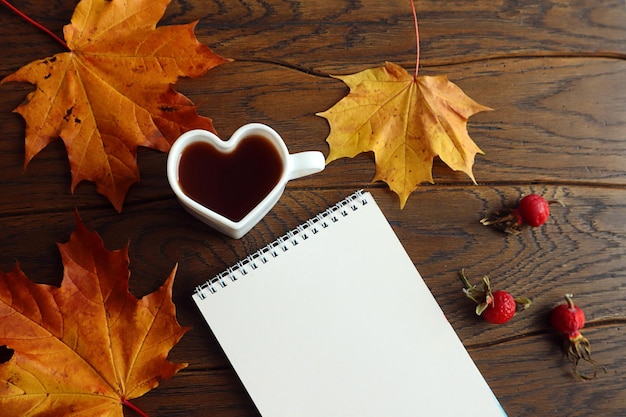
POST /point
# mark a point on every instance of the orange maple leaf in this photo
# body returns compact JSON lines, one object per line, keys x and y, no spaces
{"x":112,"y":91}
{"x":88,"y":346}
{"x":406,"y":121}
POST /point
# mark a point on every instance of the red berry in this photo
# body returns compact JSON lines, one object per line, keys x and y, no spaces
{"x":534,"y":210}
{"x":501,"y":309}
{"x":568,"y":319}
{"x":496,"y":307}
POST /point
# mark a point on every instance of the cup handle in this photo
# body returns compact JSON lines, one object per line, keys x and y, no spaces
{"x":305,"y":163}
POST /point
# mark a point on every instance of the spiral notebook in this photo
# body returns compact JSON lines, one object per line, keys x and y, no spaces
{"x":334,"y":320}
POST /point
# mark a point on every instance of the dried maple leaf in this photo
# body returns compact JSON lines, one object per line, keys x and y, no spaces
{"x":406,"y":121}
{"x":88,"y":346}
{"x":112,"y":91}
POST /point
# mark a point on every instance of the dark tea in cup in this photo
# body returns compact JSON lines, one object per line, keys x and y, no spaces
{"x":232,"y":183}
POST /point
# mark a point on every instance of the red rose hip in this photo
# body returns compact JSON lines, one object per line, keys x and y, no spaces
{"x":501,"y":309}
{"x":497,"y":307}
{"x":568,"y":319}
{"x":533,"y":210}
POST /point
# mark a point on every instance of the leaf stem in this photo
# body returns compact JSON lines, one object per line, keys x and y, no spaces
{"x":417,"y":39}
{"x":34,"y":23}
{"x":133,"y":406}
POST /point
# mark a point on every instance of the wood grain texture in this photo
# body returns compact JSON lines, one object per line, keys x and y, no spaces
{"x":552,"y":70}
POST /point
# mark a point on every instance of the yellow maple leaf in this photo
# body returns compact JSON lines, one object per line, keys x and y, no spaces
{"x":406,"y":121}
{"x":111,"y":92}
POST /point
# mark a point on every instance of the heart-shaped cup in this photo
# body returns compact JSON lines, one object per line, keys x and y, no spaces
{"x":231,"y":185}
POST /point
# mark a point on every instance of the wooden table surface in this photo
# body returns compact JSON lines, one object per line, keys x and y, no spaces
{"x":554,"y":71}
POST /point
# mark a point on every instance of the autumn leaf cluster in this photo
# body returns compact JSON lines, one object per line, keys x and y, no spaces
{"x":111,"y":93}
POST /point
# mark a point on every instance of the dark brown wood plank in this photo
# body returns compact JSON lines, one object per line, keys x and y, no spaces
{"x":531,"y":378}
{"x":344,"y":35}
{"x":354,"y":34}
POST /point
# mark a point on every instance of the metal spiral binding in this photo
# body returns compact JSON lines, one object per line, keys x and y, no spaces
{"x":283,"y":244}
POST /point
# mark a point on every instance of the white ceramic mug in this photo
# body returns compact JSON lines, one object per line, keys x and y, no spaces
{"x":293,"y":166}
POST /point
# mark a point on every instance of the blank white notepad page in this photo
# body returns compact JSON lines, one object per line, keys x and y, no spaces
{"x":341,"y":324}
